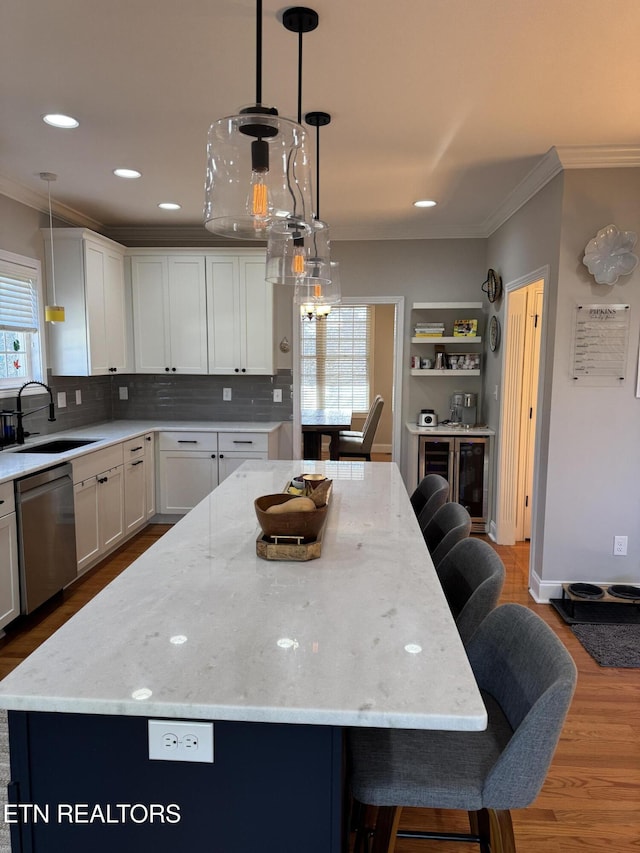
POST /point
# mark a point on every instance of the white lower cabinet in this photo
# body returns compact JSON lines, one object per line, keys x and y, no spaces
{"x":9,"y":579}
{"x":150,"y":474}
{"x":99,"y":504}
{"x":135,"y":483}
{"x":188,"y":469}
{"x":192,"y":464}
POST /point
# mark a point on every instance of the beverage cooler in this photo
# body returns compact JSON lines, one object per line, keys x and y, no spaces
{"x":464,"y":463}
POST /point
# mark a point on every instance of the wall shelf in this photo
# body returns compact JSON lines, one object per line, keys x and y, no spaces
{"x":443,"y":372}
{"x":462,"y":339}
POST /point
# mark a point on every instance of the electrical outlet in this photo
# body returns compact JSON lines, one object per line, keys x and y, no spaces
{"x":62,"y":399}
{"x":123,"y":392}
{"x":277,"y":395}
{"x":78,"y":397}
{"x":178,"y":740}
{"x":620,"y":546}
{"x":226,"y":394}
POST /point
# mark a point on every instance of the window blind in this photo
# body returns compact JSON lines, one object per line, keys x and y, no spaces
{"x":18,"y":301}
{"x":335,"y":359}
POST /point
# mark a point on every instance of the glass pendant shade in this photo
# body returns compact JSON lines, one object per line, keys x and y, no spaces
{"x":315,"y":299}
{"x":298,"y":251}
{"x":258,"y":173}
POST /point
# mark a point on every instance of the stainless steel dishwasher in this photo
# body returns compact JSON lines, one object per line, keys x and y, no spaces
{"x":46,"y":534}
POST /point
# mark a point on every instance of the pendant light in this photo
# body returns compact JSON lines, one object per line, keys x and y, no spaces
{"x":293,"y":244}
{"x":320,"y":288}
{"x":316,"y":300}
{"x":258,"y":167}
{"x":52,"y":313}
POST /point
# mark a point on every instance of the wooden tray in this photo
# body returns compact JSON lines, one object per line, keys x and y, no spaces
{"x":292,"y":548}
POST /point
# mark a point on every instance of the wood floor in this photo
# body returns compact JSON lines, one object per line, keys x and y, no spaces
{"x":591,"y":799}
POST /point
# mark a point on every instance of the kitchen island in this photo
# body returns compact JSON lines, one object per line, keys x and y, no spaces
{"x":280,"y":656}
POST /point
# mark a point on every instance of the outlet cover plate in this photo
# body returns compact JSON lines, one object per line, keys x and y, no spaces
{"x":180,"y":740}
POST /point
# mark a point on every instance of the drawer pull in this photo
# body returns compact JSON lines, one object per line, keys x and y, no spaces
{"x":134,"y":449}
{"x":1,"y":502}
{"x":187,"y":441}
{"x":139,"y":462}
{"x":246,"y":441}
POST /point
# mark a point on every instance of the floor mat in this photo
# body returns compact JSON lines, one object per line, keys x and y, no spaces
{"x":611,"y":645}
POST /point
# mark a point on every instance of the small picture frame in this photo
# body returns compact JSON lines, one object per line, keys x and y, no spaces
{"x":465,"y":328}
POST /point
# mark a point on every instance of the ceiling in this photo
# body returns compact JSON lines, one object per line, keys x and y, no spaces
{"x":455,"y":100}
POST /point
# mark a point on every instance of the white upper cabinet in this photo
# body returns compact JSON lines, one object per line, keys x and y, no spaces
{"x":240,"y":314}
{"x":169,"y":313}
{"x":89,"y":284}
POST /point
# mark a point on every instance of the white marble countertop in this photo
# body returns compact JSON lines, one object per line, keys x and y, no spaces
{"x":14,"y":464}
{"x":200,"y":627}
{"x":448,"y":429}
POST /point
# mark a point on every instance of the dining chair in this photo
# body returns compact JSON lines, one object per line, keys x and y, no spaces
{"x":356,"y":443}
{"x":472,"y":576}
{"x":449,"y":525}
{"x":429,"y":495}
{"x":527,"y":679}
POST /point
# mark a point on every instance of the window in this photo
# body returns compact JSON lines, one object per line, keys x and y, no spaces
{"x":20,"y":322}
{"x":335,"y":359}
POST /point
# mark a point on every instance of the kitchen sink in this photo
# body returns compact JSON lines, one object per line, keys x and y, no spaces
{"x":58,"y":445}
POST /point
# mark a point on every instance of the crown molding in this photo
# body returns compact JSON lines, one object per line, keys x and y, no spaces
{"x":554,"y":161}
{"x":599,"y":156}
{"x":545,"y":170}
{"x":38,"y":201}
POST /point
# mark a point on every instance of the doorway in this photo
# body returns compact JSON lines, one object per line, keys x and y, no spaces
{"x":519,"y":424}
{"x":394,"y":401}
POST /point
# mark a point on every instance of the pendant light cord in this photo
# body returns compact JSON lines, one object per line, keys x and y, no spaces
{"x":53,"y":269}
{"x":300,"y":78}
{"x":258,"y":51}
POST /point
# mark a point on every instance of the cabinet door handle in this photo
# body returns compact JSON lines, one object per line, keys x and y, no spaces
{"x":1,"y":502}
{"x":139,"y":462}
{"x":244,"y":369}
{"x":133,"y":449}
{"x":102,"y":479}
{"x":166,"y":369}
{"x":213,"y":455}
{"x":187,"y":441}
{"x":148,"y":438}
{"x":173,"y":369}
{"x":221,"y":456}
{"x":236,"y":370}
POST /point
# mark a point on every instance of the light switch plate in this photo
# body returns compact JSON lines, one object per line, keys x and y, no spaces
{"x":226,"y":394}
{"x":277,"y":395}
{"x":78,"y":397}
{"x":62,"y":399}
{"x":123,"y":392}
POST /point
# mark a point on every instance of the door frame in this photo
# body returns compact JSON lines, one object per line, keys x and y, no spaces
{"x":396,"y":401}
{"x":507,"y":465}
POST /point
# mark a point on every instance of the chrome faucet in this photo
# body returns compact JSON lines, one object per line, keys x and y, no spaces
{"x":20,"y":433}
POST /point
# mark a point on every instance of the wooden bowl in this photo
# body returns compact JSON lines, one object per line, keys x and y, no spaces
{"x":305,"y":524}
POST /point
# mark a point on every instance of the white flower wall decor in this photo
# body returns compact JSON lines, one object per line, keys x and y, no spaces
{"x":608,"y":255}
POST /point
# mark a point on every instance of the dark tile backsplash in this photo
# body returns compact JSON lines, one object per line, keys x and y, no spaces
{"x":184,"y":398}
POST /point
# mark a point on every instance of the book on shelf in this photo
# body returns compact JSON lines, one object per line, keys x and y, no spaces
{"x":428,"y":330}
{"x":465,"y":328}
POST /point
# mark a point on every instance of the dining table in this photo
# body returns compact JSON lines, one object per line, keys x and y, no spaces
{"x":276,"y":657}
{"x":318,"y":422}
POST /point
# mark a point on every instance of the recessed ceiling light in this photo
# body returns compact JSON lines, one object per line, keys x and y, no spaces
{"x":425,"y":202}
{"x":59,"y":120}
{"x":169,"y":205}
{"x":127,"y":173}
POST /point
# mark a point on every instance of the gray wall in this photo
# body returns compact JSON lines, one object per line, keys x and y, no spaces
{"x":589,"y":459}
{"x":421,"y":271}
